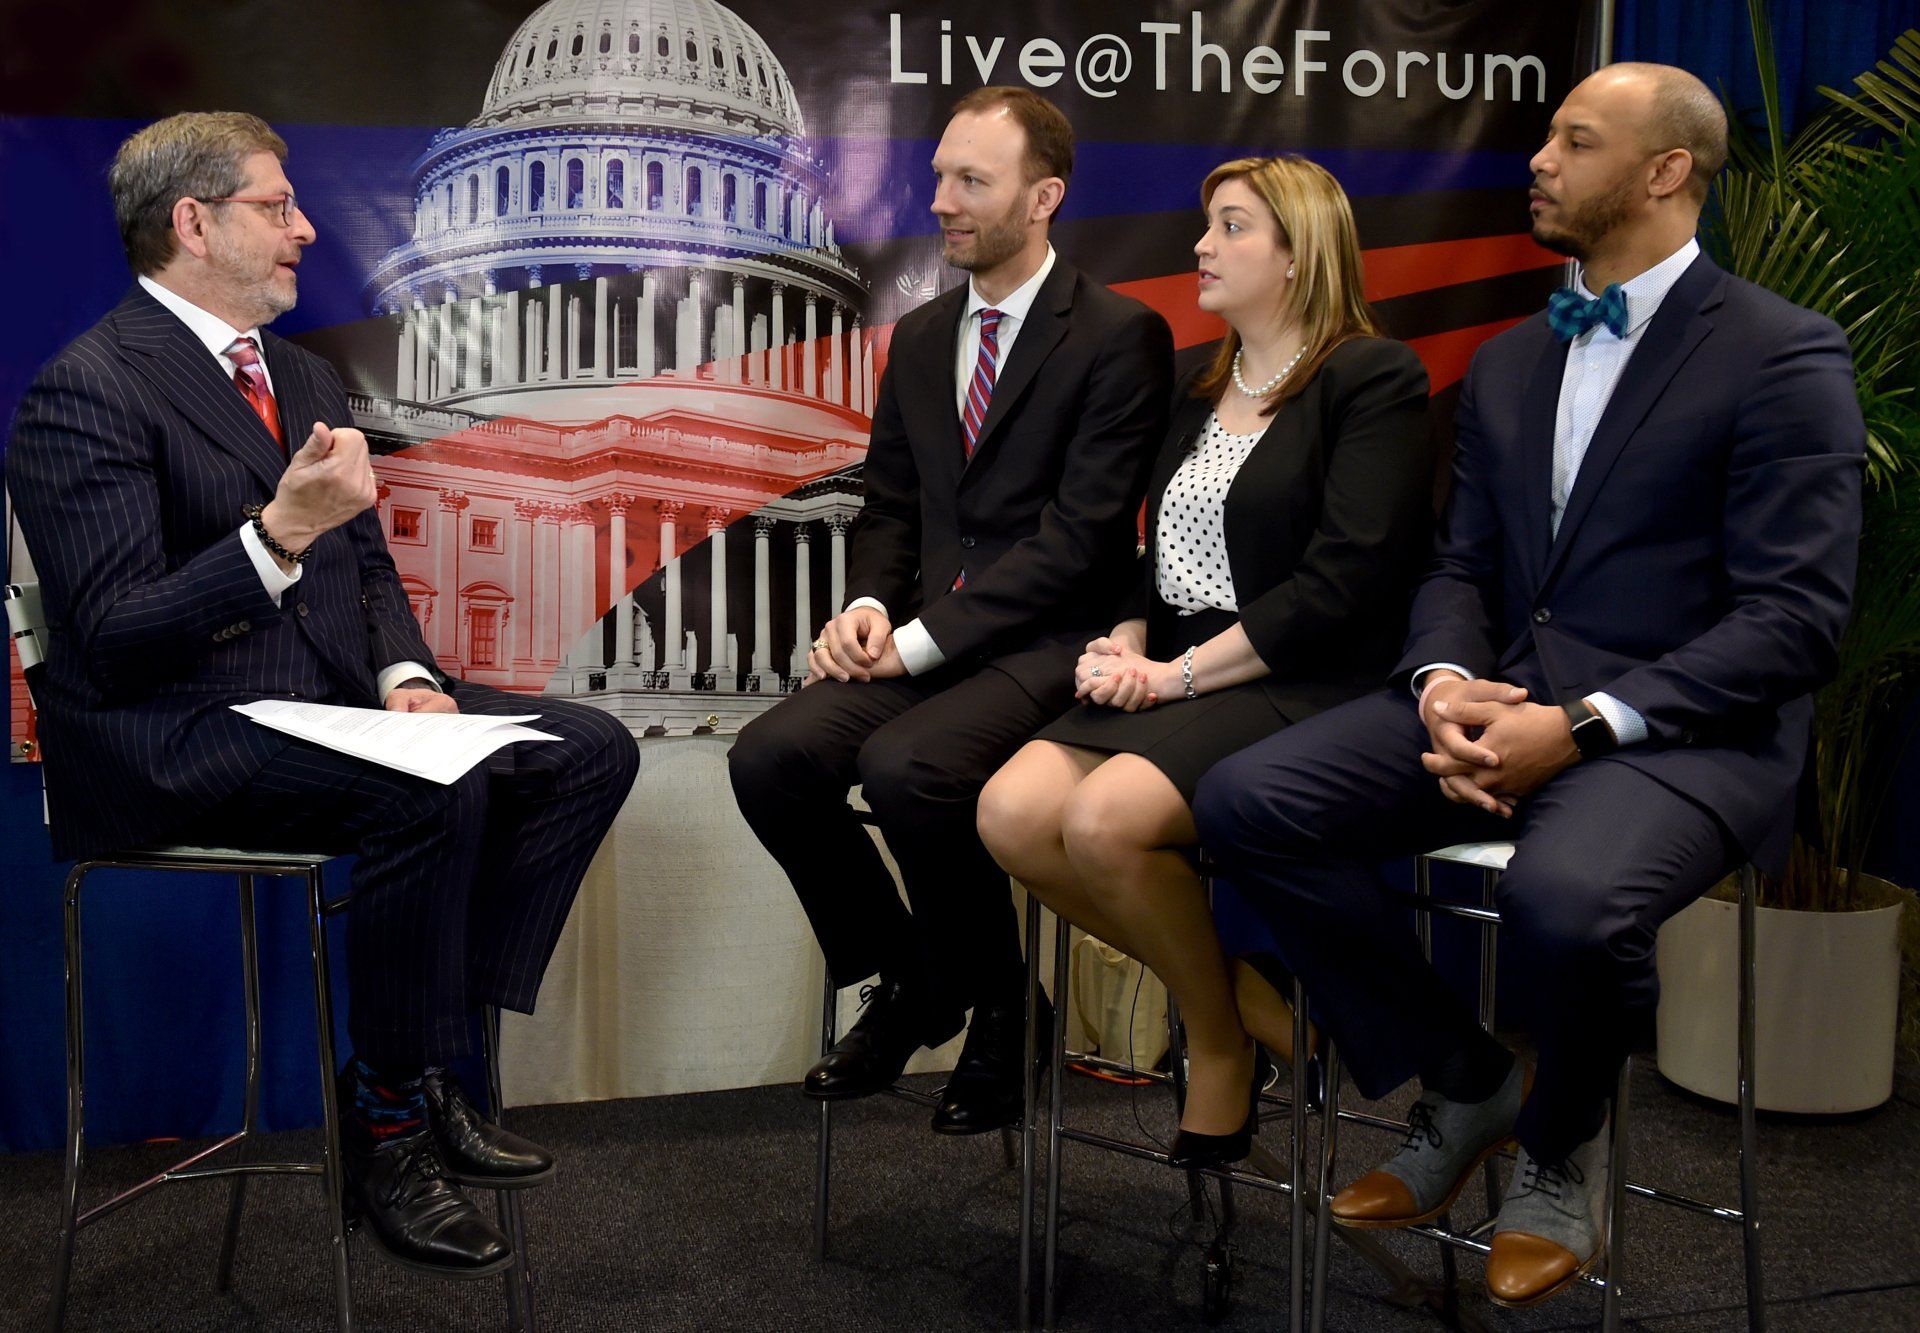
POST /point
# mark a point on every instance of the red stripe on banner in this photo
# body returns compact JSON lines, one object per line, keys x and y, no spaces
{"x":1398,"y":270}
{"x":1395,"y":270}
{"x":1446,"y":355}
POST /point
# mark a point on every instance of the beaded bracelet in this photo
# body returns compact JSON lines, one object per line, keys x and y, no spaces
{"x":253,"y":511}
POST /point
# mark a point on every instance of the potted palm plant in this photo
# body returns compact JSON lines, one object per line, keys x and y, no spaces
{"x":1831,"y":221}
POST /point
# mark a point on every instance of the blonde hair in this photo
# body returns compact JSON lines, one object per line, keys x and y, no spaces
{"x":1325,"y":297}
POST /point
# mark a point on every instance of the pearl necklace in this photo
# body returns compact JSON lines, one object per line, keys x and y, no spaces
{"x":1240,"y":383}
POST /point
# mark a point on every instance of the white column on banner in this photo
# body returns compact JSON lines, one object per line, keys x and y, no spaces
{"x":803,"y":626}
{"x":777,"y":337}
{"x":671,"y":652}
{"x":618,"y":576}
{"x":717,"y":658}
{"x":837,"y":524}
{"x":856,"y":377}
{"x":762,"y":596}
{"x":476,"y":323}
{"x":403,"y":373}
{"x":602,"y":368}
{"x":643,"y":314}
{"x":526,"y":597}
{"x":508,"y":366}
{"x":446,"y":552}
{"x":809,"y":349}
{"x":837,"y":360}
{"x":739,"y":349}
{"x":556,"y":323}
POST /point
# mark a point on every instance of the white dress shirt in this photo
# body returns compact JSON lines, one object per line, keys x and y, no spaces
{"x":1595,"y":361}
{"x":216,"y":335}
{"x":918,"y":652}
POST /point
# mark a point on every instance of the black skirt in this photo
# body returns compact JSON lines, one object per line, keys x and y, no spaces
{"x":1183,"y":738}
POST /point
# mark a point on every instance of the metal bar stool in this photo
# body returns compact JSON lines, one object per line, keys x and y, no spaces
{"x":1491,"y":859}
{"x":246,"y":867}
{"x":1217,"y":1287}
{"x":1025,"y":1130}
{"x":26,"y":623}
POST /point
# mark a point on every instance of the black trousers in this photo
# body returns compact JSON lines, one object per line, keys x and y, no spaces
{"x":922,"y":748}
{"x":460,"y":891}
{"x":1603,"y":854}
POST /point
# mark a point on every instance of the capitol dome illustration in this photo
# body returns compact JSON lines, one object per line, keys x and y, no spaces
{"x":636,"y":196}
{"x":621,"y":325}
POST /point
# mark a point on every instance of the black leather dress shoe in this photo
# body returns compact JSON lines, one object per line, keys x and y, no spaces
{"x":986,"y":1091}
{"x":876,"y":1049}
{"x":417,"y":1218}
{"x":474,"y":1150}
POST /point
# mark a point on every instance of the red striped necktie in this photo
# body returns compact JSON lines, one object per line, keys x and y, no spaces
{"x":980,"y":388}
{"x":250,"y":377}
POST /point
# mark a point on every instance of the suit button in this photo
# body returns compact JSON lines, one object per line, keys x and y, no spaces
{"x":300,"y":609}
{"x":243,"y":627}
{"x":967,"y":542}
{"x":1542,"y":616}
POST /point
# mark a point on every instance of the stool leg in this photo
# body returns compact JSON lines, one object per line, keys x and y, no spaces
{"x":330,"y":1167}
{"x":824,"y":1155}
{"x":76,"y":1101}
{"x":1297,"y":1168}
{"x":1749,"y":1126}
{"x":250,"y":985}
{"x":1616,"y":1203}
{"x":519,"y":1278}
{"x":1489,"y":972}
{"x":1029,"y":1111}
{"x":1177,"y":1069}
{"x":1056,"y":1112}
{"x":1322,"y":1217}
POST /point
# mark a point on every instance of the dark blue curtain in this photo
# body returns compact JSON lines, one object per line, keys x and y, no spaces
{"x":1815,"y":42}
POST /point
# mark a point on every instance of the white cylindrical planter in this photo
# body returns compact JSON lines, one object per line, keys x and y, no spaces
{"x":1827,"y":991}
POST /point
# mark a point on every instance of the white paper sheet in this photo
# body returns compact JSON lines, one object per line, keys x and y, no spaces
{"x":440,"y":747}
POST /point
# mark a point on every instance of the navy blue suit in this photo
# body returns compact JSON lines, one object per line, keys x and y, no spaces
{"x":1701,"y":575}
{"x":129,"y":463}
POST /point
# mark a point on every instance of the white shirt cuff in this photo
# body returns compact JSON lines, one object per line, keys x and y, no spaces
{"x":273,"y":578}
{"x":919,"y":654}
{"x":398,"y":673}
{"x":873,"y":602}
{"x":1418,"y":680}
{"x":1628,"y":727}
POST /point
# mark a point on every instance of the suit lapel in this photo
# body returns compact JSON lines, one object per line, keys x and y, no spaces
{"x":1675,"y":330}
{"x":934,"y":361}
{"x":1539,"y":412}
{"x":1046,"y":325}
{"x":178,"y":366}
{"x":294,"y":390}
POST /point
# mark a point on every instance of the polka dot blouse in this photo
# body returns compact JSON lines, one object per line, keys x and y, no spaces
{"x":1191,"y":571}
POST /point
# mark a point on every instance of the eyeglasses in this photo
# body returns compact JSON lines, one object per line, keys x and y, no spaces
{"x":282,"y":204}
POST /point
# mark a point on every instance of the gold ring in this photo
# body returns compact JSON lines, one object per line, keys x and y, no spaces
{"x":819,"y":644}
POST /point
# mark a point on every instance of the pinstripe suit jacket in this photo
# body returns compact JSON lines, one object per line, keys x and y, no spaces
{"x":129,"y":462}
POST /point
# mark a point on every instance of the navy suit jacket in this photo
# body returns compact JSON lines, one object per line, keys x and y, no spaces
{"x":129,"y":462}
{"x":1042,"y":516}
{"x":1705,"y":561}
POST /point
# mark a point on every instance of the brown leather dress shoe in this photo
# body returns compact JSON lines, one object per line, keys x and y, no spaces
{"x":1446,"y":1143}
{"x":1524,"y":1270}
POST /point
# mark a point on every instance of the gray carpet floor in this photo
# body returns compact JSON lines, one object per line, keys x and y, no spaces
{"x":694,"y":1212}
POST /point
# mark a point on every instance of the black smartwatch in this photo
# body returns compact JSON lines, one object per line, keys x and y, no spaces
{"x":1591,"y":734}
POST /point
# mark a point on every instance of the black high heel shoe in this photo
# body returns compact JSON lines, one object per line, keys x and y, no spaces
{"x":1192,"y":1150}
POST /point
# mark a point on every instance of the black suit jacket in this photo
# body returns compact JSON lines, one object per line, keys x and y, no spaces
{"x":1042,"y":516}
{"x":1328,"y":525}
{"x":1704,"y":565}
{"x":129,"y":462}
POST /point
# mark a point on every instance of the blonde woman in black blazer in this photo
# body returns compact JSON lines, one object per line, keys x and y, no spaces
{"x":1288,"y":518}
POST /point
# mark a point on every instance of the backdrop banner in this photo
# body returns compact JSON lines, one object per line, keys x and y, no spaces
{"x":611,"y":282}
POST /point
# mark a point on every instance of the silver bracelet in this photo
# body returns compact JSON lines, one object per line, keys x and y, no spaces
{"x":1186,"y":673}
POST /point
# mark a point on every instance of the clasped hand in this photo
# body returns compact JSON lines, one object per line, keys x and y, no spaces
{"x":1114,"y":672}
{"x":1490,"y":746}
{"x":857,"y":644}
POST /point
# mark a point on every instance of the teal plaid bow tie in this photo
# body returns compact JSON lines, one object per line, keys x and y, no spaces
{"x":1571,"y":314}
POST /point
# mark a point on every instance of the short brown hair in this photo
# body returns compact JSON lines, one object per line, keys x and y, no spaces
{"x":196,"y":154}
{"x":1049,"y":136}
{"x":1327,"y":295}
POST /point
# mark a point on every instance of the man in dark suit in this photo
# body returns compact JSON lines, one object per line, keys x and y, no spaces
{"x":1012,"y":435}
{"x":1645,"y":570}
{"x":188,"y":563}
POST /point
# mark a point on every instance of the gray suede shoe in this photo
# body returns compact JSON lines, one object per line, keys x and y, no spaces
{"x":1552,"y":1227}
{"x":1446,"y":1141}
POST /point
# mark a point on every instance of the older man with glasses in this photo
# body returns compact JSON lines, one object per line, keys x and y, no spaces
{"x":200,"y":510}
